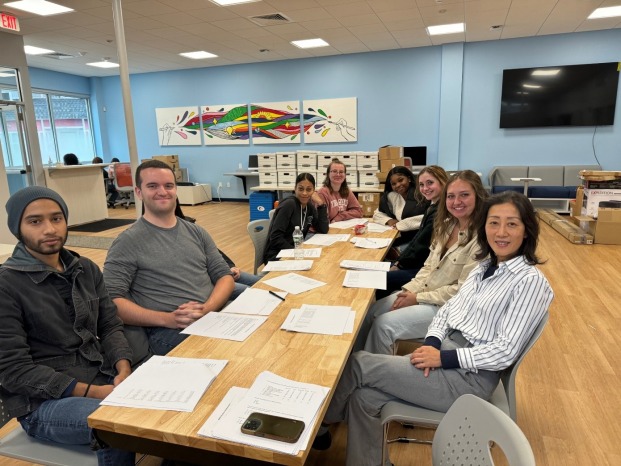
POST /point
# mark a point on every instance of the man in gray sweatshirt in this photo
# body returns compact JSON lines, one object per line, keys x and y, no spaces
{"x":163,"y":273}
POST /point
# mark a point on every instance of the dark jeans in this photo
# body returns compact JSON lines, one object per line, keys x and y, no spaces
{"x":395,"y":279}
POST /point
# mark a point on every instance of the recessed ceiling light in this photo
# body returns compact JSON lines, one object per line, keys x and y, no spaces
{"x":606,"y":12}
{"x":531,"y":86}
{"x":310,"y":43}
{"x":39,"y":7}
{"x":552,"y":72}
{"x":104,"y":64}
{"x":446,"y":29}
{"x":231,"y":2}
{"x":31,"y":50}
{"x":199,"y":55}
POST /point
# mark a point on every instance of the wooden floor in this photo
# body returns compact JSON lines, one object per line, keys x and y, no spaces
{"x":568,"y":387}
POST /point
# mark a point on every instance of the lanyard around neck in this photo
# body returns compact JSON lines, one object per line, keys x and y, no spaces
{"x":303,"y":217}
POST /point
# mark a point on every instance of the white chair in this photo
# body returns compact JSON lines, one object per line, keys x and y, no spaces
{"x":258,"y":230}
{"x":18,"y":444}
{"x":468,"y":430}
{"x":503,"y":398}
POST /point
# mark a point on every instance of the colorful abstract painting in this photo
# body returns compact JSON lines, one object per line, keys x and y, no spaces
{"x":225,"y":124}
{"x":275,"y":122}
{"x":330,"y":120}
{"x":178,"y":126}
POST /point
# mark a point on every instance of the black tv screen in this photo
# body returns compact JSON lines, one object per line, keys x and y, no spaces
{"x":571,"y":95}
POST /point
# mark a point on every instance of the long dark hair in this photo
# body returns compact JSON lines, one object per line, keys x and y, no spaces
{"x":399,"y":170}
{"x":528,"y":217}
{"x":444,"y":221}
{"x":344,"y":189}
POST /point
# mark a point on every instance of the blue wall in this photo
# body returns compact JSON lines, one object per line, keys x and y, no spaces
{"x":445,"y":97}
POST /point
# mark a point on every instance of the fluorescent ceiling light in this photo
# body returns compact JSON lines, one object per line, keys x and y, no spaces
{"x":104,"y":64}
{"x":310,"y":43}
{"x":552,"y":72}
{"x":231,"y":2}
{"x":198,"y":55}
{"x":446,"y":29}
{"x":39,"y":7}
{"x":606,"y":12}
{"x":30,"y":50}
{"x":531,"y":86}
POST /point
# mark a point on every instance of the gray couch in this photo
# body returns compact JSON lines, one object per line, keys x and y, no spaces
{"x":557,"y":181}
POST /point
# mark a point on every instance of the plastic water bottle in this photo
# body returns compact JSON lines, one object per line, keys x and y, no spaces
{"x":298,"y":239}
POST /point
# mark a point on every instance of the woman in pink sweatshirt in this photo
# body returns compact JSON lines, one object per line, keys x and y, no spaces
{"x":341,"y":202}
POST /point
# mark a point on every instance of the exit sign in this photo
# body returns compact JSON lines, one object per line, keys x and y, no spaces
{"x":8,"y":21}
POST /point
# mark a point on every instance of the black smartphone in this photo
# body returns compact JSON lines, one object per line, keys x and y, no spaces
{"x":273,"y":427}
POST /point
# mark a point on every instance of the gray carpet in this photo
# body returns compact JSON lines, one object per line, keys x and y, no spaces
{"x":93,"y":242}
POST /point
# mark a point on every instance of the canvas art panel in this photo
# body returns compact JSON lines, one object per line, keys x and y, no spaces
{"x":275,"y":122}
{"x":178,"y":126}
{"x":225,"y":124}
{"x":330,"y":120}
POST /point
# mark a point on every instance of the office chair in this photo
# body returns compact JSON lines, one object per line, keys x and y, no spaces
{"x":467,"y":430}
{"x":124,"y":184}
{"x":258,"y":230}
{"x":18,"y":444}
{"x":503,"y":398}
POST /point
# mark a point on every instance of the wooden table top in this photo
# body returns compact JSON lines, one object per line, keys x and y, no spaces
{"x":317,"y":359}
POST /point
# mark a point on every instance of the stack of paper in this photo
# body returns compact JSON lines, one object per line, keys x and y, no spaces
{"x":255,"y":301}
{"x":284,"y":266}
{"x":365,"y":279}
{"x":325,"y":320}
{"x":294,"y":283}
{"x":319,"y":239}
{"x":226,"y":326}
{"x":352,"y":222}
{"x":377,"y":228}
{"x":270,"y":394}
{"x":168,"y":383}
{"x":365,"y":265}
{"x":308,"y":253}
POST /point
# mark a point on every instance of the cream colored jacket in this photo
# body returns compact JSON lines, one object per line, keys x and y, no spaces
{"x":440,"y":278}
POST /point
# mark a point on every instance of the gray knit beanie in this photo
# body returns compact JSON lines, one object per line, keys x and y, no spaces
{"x":18,"y":202}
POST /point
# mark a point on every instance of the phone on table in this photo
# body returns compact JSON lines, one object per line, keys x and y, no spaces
{"x":273,"y":427}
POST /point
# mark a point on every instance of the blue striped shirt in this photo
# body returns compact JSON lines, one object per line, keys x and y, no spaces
{"x":497,"y":315}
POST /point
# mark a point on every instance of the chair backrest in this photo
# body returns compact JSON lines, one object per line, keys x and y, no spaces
{"x":508,"y":375}
{"x":123,"y":177}
{"x":258,"y":231}
{"x":465,"y":433}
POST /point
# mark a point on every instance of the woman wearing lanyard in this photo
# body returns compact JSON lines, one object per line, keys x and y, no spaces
{"x":478,"y":333}
{"x":295,"y":211}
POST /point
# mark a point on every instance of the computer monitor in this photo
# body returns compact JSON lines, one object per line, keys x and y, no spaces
{"x":417,"y":154}
{"x":253,"y":162}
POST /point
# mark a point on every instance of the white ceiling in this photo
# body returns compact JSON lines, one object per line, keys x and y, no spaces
{"x":156,"y":31}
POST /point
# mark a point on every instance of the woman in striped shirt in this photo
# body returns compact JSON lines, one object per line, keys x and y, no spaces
{"x":477,"y":334}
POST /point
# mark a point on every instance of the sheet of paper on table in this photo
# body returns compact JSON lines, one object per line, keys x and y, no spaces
{"x":254,"y":301}
{"x":294,"y":283}
{"x":365,"y":265}
{"x":286,"y":266}
{"x":314,"y":318}
{"x":225,"y":326}
{"x":365,"y":279}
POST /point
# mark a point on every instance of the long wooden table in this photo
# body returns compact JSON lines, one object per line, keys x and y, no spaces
{"x":317,"y":359}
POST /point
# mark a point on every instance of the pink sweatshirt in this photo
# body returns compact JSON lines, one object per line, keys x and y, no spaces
{"x":338,"y":207}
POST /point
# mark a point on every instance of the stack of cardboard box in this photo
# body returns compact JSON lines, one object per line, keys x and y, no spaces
{"x":173,"y":162}
{"x":595,"y":209}
{"x":369,"y":203}
{"x":389,"y":157}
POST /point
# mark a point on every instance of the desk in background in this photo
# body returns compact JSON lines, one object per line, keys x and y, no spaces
{"x":317,"y":359}
{"x":243,"y":175}
{"x":82,"y":188}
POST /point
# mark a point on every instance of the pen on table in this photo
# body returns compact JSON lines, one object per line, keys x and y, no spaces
{"x":276,"y":294}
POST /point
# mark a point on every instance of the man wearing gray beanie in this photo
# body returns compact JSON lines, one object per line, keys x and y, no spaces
{"x":62,"y":347}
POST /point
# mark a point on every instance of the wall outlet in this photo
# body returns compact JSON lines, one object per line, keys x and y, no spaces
{"x":228,"y":184}
{"x":219,"y":184}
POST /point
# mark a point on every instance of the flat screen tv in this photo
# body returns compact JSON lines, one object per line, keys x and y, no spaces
{"x":571,"y":95}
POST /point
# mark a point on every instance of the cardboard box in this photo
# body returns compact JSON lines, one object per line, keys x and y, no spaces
{"x":606,"y":229}
{"x":178,"y":175}
{"x":390,"y":152}
{"x":386,"y":165}
{"x":576,"y":205}
{"x":369,"y":203}
{"x":171,"y":160}
{"x":592,"y":198}
{"x":565,"y":227}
